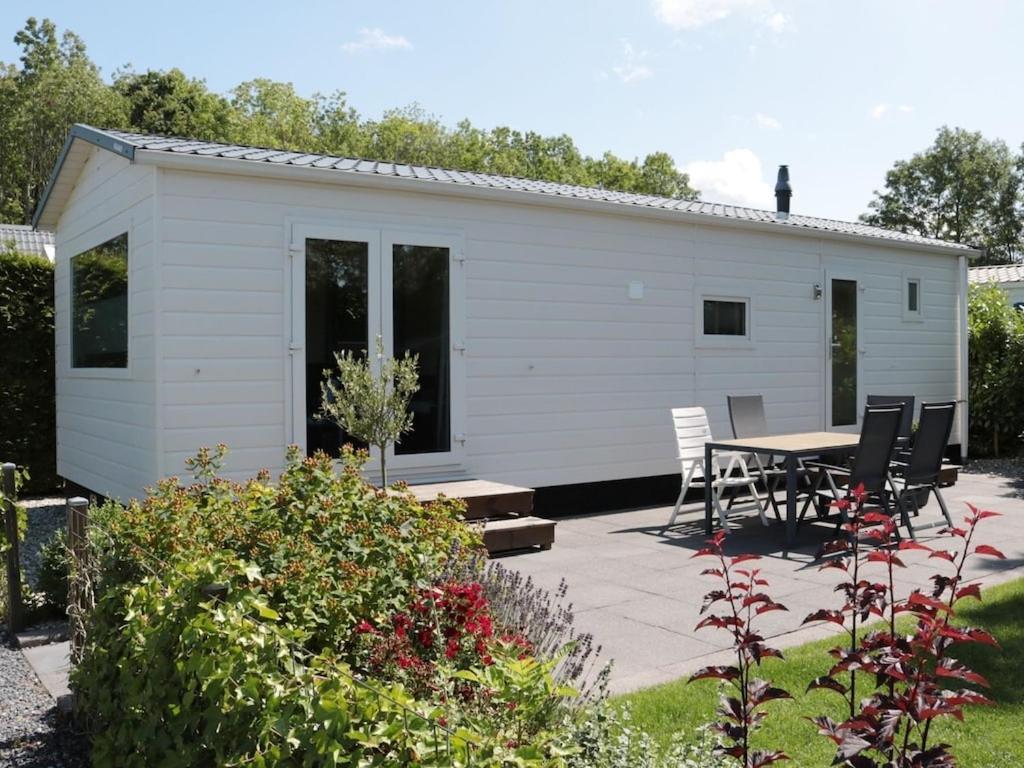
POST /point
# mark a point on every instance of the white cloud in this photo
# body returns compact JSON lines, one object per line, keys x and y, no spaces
{"x":881,"y":109}
{"x":691,"y":14}
{"x":736,"y":178}
{"x":767,"y":121}
{"x":776,"y":22}
{"x":631,"y":67}
{"x":375,"y":40}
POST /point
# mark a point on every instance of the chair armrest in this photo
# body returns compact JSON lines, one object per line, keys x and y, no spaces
{"x":826,"y":467}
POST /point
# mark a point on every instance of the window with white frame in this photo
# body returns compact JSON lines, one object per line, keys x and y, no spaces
{"x":725,"y":317}
{"x":912,"y":298}
{"x":99,"y":305}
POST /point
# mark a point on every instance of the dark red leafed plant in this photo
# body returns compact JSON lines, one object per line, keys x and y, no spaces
{"x":739,"y":603}
{"x":911,"y":678}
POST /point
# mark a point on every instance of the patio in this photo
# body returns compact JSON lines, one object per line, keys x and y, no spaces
{"x":639,"y":592}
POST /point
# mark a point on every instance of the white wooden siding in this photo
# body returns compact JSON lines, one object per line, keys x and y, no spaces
{"x":106,"y":421}
{"x":568,"y":380}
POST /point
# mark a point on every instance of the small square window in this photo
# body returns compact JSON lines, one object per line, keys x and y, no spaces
{"x":725,"y":317}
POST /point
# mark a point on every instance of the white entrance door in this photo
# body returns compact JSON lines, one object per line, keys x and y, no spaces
{"x":842,"y":352}
{"x":351,"y":285}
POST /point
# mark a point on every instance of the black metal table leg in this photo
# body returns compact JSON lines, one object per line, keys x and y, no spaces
{"x":708,"y":479}
{"x":791,"y":466}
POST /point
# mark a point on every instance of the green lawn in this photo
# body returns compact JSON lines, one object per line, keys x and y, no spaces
{"x":988,"y":738}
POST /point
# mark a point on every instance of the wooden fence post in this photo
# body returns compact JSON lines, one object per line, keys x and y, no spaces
{"x":15,"y":614}
{"x":78,"y":553}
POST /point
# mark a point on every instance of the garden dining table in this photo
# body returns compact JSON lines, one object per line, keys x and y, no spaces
{"x":791,"y":448}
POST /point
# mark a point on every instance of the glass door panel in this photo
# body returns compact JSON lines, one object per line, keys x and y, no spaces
{"x":843,"y":352}
{"x":421,"y":326}
{"x":337,"y":320}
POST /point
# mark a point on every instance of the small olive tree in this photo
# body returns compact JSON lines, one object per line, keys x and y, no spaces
{"x":371,"y":407}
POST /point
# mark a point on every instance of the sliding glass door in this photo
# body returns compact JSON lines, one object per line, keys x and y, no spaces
{"x":357,"y":285}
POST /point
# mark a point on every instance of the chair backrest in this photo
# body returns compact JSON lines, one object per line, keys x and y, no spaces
{"x":933,"y":432}
{"x":874,"y":451}
{"x":907,"y":418}
{"x":692,"y":431}
{"x":746,"y":412}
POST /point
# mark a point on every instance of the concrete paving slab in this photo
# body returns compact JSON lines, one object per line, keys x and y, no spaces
{"x":638,"y":589}
{"x":51,"y":665}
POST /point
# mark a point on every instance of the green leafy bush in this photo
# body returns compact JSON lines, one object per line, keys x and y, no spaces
{"x":28,"y":428}
{"x":309,"y":622}
{"x":52,"y":579}
{"x":996,"y":370}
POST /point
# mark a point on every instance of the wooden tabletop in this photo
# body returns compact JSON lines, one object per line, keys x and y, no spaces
{"x":800,"y":442}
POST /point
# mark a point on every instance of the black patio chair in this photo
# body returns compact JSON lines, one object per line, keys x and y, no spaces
{"x":870,"y":465}
{"x":906,"y":418}
{"x":919,"y":475}
{"x":747,"y":416}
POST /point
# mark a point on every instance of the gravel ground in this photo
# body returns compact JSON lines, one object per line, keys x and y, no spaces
{"x":31,"y":735}
{"x":45,"y":517}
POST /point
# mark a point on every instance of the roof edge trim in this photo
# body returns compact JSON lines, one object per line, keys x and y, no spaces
{"x":206,"y":164}
{"x":87,"y":134}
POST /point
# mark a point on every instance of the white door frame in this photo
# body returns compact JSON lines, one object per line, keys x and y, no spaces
{"x":380,"y":240}
{"x":829,"y":276}
{"x":390,"y":237}
{"x":300,"y":232}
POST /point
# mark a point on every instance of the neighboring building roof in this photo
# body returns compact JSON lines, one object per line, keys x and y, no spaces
{"x":28,"y":240}
{"x":1000,"y":273}
{"x":126,"y":144}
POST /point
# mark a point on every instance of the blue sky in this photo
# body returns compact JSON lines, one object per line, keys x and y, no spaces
{"x":730,"y":88}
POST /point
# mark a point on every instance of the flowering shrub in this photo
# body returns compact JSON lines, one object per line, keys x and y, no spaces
{"x":449,"y":624}
{"x":908,"y":675}
{"x":316,"y":621}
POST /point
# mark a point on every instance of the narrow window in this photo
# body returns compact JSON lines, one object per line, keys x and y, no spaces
{"x":99,"y":306}
{"x":725,"y":317}
{"x":421,"y":327}
{"x":913,"y":296}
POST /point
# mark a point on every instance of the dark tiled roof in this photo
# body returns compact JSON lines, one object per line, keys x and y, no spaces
{"x":148,"y":143}
{"x":1002,"y":273}
{"x":26,"y":239}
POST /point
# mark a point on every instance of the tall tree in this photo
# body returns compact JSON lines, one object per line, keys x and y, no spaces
{"x":56,"y":86}
{"x":272,"y":114}
{"x":172,"y":104}
{"x":964,"y":188}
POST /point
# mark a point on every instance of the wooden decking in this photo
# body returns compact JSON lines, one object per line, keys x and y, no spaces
{"x":503,"y":510}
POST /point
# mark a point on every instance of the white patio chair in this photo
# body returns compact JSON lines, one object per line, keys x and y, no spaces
{"x":692,"y":432}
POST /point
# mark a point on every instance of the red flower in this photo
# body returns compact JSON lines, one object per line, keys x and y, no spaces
{"x":365,"y":627}
{"x":452,"y":649}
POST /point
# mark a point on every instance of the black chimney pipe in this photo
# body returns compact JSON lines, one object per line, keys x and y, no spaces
{"x":783,"y":192}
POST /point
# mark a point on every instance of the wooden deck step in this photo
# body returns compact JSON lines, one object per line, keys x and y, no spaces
{"x":518,"y":533}
{"x":484,"y":499}
{"x":949,"y":474}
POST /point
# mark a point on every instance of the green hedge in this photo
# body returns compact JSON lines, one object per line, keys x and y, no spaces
{"x":27,"y":408}
{"x":996,"y":371}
